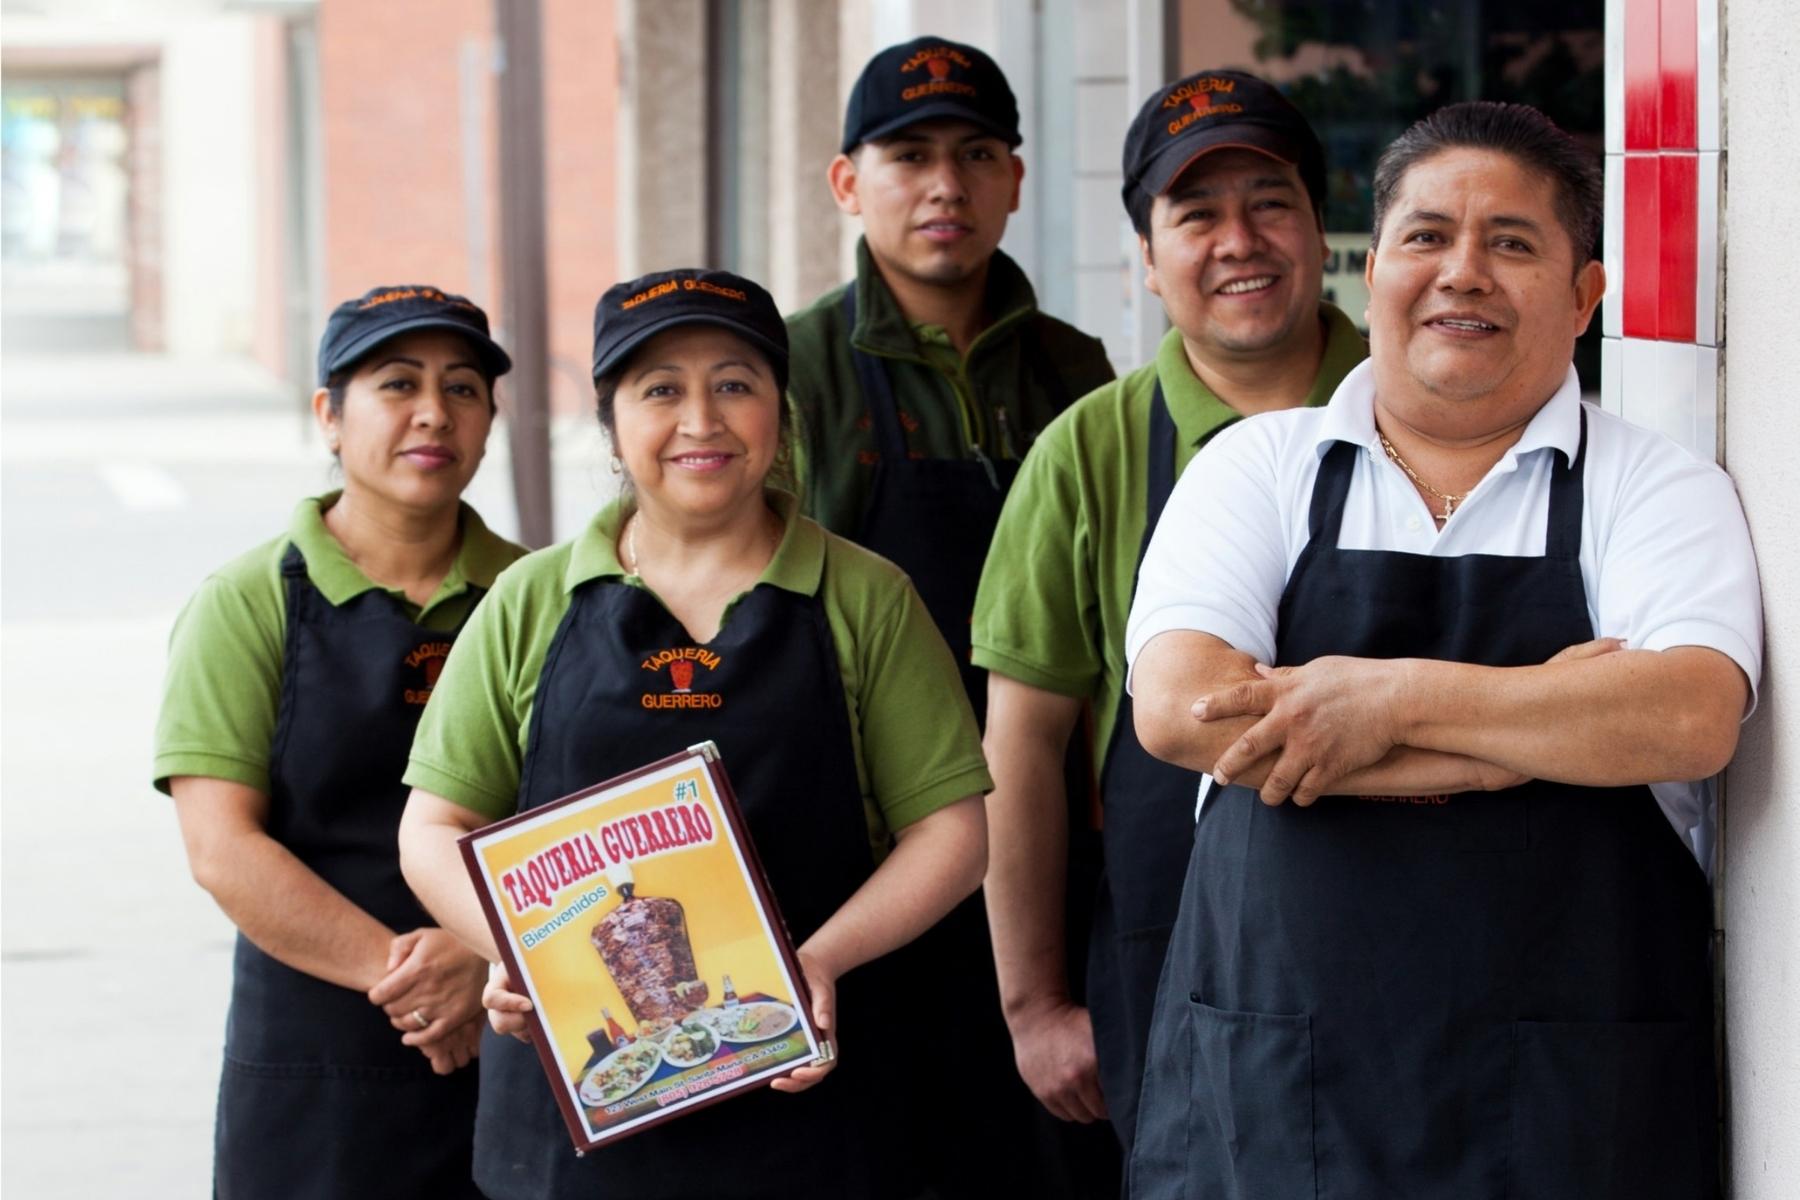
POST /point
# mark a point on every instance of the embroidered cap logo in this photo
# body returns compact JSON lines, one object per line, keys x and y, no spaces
{"x":937,"y":61}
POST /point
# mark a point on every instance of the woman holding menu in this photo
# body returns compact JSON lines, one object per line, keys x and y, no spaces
{"x":297,"y":674}
{"x":814,"y":666}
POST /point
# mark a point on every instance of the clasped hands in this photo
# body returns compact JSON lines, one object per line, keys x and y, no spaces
{"x":431,"y":974}
{"x":1317,"y":724}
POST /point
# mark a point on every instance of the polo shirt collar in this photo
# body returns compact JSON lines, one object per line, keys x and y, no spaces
{"x":881,"y":328}
{"x":798,"y":564}
{"x":1350,"y":417}
{"x":1198,"y":413}
{"x":481,"y":557}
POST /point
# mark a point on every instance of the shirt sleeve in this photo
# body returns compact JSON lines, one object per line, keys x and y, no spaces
{"x":1036,"y":612}
{"x":1217,"y":561}
{"x":1676,"y":567}
{"x":920,"y":746}
{"x":467,"y":745}
{"x":222,"y":687}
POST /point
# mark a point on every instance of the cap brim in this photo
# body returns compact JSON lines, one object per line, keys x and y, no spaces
{"x":935,"y":111}
{"x":616,"y":356}
{"x":1179,"y":155}
{"x":487,"y":349}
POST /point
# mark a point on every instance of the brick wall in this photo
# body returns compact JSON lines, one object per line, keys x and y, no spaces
{"x":409,"y":115}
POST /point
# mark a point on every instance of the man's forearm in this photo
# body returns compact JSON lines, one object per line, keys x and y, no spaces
{"x":1174,"y":670}
{"x":1406,"y":771}
{"x":1635,"y":716}
{"x":1028,"y":840}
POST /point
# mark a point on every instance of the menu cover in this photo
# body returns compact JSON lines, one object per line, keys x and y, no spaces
{"x":635,"y":916}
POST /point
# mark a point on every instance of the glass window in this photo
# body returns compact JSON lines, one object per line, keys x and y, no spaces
{"x":1363,"y":70}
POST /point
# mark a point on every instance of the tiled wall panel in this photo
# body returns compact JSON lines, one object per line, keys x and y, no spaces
{"x":1664,"y":178}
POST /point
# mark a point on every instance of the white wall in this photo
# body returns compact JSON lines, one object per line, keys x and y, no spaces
{"x":1762,"y":429}
{"x":209,"y":190}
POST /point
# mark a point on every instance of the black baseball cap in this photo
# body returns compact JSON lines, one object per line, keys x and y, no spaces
{"x":1214,"y":110}
{"x":380,"y":314}
{"x":924,"y":79}
{"x":631,"y":313}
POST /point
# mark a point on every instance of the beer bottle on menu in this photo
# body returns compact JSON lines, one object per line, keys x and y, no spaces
{"x":619,"y":1036}
{"x":730,"y":997}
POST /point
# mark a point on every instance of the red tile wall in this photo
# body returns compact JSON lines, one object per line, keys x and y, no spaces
{"x":1661,"y":169}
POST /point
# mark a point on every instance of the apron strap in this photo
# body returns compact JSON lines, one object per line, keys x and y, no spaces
{"x":1160,"y":480}
{"x":1330,"y":488}
{"x":1160,"y":476}
{"x":293,"y":563}
{"x":877,"y":390}
{"x":1562,"y":532}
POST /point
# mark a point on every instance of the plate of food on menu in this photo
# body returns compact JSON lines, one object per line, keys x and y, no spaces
{"x":690,"y":1043}
{"x":621,"y":1073}
{"x":755,"y":1021}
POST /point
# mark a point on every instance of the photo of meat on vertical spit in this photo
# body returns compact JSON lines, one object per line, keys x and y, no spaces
{"x":644,"y":944}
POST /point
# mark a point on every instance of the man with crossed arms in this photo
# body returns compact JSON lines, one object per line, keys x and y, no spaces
{"x":1442,"y":933}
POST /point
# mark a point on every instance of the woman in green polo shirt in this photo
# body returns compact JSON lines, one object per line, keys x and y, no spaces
{"x":296,"y":678}
{"x":839,"y":712}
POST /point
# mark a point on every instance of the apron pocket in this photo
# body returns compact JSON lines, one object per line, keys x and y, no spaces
{"x":1607,"y":1111}
{"x":1250,"y":1108}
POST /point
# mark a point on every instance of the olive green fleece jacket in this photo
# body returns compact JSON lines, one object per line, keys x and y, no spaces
{"x":994,"y":399}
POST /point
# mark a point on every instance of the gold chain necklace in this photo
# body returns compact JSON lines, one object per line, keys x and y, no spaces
{"x":631,"y":550}
{"x":1450,"y":502}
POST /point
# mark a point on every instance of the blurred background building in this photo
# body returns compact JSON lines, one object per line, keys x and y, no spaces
{"x":189,"y":185}
{"x":208,"y":176}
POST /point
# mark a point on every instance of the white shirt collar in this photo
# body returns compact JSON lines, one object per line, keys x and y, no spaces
{"x":1350,"y":417}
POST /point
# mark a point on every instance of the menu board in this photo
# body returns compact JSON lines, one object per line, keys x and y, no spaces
{"x":636,"y":918}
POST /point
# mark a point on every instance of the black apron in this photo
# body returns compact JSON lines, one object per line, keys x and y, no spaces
{"x":784,"y":732}
{"x":1477,"y":995}
{"x":934,"y":518}
{"x":1149,"y":815}
{"x":318,"y":1097}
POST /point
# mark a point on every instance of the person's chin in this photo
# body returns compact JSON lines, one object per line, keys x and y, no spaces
{"x":1251,"y":337}
{"x":950,"y":264}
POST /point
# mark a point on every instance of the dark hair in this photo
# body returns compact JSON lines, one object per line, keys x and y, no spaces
{"x":1523,"y":134}
{"x":339,"y":380}
{"x":1138,"y":207}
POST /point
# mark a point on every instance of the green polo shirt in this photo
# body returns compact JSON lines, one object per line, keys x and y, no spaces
{"x":913,"y":732}
{"x":993,"y":399}
{"x":223,"y":685}
{"x":1057,"y":585}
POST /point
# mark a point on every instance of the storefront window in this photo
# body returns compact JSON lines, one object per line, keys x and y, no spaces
{"x":1363,"y":70}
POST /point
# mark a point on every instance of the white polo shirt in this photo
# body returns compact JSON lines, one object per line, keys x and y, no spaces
{"x":1665,"y":552}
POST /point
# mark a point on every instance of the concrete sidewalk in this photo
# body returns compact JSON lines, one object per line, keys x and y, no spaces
{"x":123,"y":480}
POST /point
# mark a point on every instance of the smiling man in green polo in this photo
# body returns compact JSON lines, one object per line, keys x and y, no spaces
{"x":1223,"y":183}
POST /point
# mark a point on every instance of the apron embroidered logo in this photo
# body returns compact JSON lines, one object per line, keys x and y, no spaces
{"x":429,"y":659}
{"x":681,"y":694}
